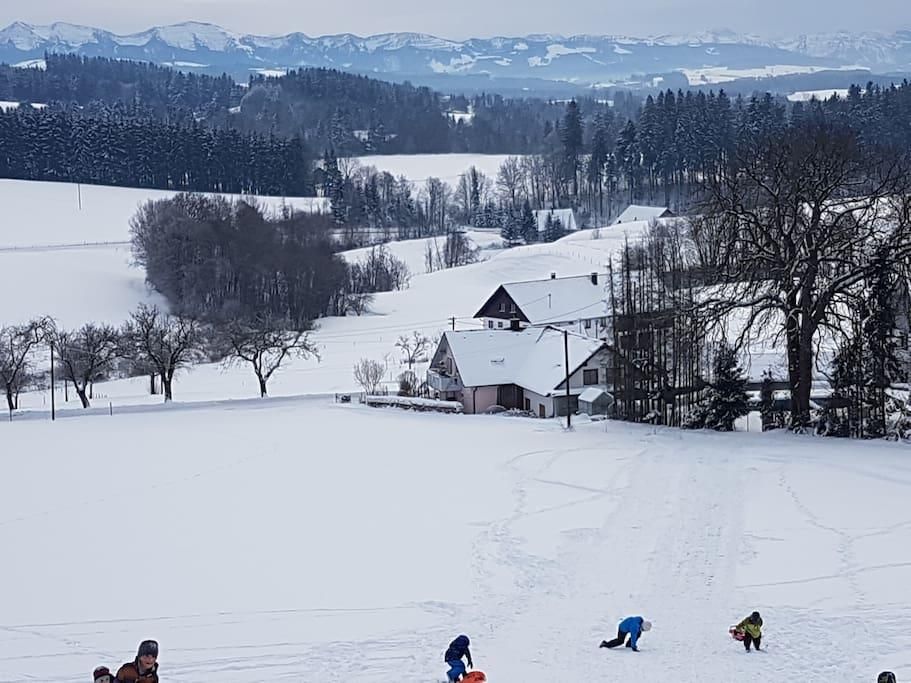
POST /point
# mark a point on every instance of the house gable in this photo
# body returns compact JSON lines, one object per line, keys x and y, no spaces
{"x":501,"y":305}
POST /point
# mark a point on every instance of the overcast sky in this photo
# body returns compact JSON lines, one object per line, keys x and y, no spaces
{"x":459,"y":19}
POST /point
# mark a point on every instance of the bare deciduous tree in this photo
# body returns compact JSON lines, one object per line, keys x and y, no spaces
{"x":265,"y":345}
{"x":511,"y":182}
{"x":87,"y":354}
{"x":165,"y":342}
{"x":17,"y":342}
{"x":368,"y":374}
{"x":801,"y":220}
{"x":413,"y":348}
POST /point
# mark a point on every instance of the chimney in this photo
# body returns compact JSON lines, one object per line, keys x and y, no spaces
{"x":514,"y":325}
{"x":594,"y":278}
{"x":553,"y":275}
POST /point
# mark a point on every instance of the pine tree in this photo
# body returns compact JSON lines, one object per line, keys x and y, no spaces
{"x":529,"y":224}
{"x":510,"y":229}
{"x":726,"y":400}
{"x":553,"y":229}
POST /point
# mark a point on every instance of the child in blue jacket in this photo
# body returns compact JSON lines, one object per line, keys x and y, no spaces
{"x":632,"y":627}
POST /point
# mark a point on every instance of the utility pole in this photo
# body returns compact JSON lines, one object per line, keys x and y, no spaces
{"x":569,"y":424}
{"x":452,"y":320}
{"x":53,"y":405}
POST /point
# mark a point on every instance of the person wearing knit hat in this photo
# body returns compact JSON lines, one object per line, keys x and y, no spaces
{"x":143,"y":669}
{"x":632,"y":628}
{"x":102,"y":675}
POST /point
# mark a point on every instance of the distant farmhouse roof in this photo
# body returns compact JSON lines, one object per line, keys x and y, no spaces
{"x":552,"y":300}
{"x":636,"y":212}
{"x":567,"y":218}
{"x":532,"y":358}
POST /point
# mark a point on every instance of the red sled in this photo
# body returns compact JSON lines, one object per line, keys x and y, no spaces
{"x":474,"y":677}
{"x":736,"y":633}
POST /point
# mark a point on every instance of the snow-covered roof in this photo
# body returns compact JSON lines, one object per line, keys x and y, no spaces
{"x":636,"y":212}
{"x":532,"y":358}
{"x":566,"y":216}
{"x":591,"y":394}
{"x":559,"y":300}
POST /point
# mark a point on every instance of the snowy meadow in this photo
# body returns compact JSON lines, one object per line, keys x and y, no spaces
{"x":306,"y":540}
{"x":295,"y":538}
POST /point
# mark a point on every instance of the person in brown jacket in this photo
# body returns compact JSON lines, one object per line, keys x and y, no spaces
{"x":143,"y":669}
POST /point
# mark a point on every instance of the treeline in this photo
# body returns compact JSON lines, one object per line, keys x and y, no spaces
{"x":114,"y":146}
{"x":672,"y":149}
{"x":215,"y":260}
{"x":800,"y":246}
{"x":165,"y":92}
{"x":325,"y":108}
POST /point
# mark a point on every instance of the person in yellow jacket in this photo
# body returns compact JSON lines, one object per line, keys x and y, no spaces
{"x":752,"y":630}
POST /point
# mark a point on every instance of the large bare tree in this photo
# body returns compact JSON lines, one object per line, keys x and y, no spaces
{"x":87,"y":354}
{"x":413,"y":348}
{"x":265,"y":344}
{"x":369,"y":374}
{"x":793,"y":228}
{"x":17,"y":345}
{"x":164,"y":342}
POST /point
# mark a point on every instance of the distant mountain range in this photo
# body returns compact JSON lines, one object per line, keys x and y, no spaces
{"x":582,"y":60}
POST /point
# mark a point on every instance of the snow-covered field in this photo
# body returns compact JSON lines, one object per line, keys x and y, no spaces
{"x":808,"y":95}
{"x":447,"y":167}
{"x":298,"y":539}
{"x":309,"y":541}
{"x":97,"y":283}
{"x":413,"y":252}
{"x":725,"y":74}
{"x":43,"y":214}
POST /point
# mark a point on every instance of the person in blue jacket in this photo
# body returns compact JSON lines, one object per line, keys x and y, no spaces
{"x":632,"y":627}
{"x":457,"y":649}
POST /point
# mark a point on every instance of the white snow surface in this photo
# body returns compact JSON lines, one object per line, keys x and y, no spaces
{"x":808,"y":95}
{"x":49,"y":214}
{"x":39,"y":64}
{"x":413,"y":252}
{"x":447,"y":167}
{"x":724,"y":74}
{"x":559,"y":300}
{"x":307,"y":541}
{"x":532,"y":358}
{"x":7,"y":106}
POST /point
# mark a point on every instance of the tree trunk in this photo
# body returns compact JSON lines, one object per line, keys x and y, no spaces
{"x":805,"y":383}
{"x":152,"y":389}
{"x":262,"y":385}
{"x":83,"y":397}
{"x":792,"y":336}
{"x":10,"y":399}
{"x":166,"y":387}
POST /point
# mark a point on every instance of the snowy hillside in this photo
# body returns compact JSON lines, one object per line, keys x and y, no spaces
{"x":413,"y":252}
{"x":446,"y":167}
{"x":308,"y":541}
{"x":52,"y":214}
{"x":427,"y":306}
{"x":97,"y":283}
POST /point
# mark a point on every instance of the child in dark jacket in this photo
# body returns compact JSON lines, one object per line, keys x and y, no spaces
{"x":458,"y":649}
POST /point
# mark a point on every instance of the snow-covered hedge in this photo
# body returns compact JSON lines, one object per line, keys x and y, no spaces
{"x":411,"y":403}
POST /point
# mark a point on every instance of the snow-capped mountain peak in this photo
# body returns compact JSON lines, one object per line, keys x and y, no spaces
{"x":580,"y":59}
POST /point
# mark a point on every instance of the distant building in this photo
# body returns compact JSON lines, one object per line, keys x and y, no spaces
{"x":567,"y":218}
{"x":521,"y":369}
{"x":635,"y":213}
{"x":576,"y":302}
